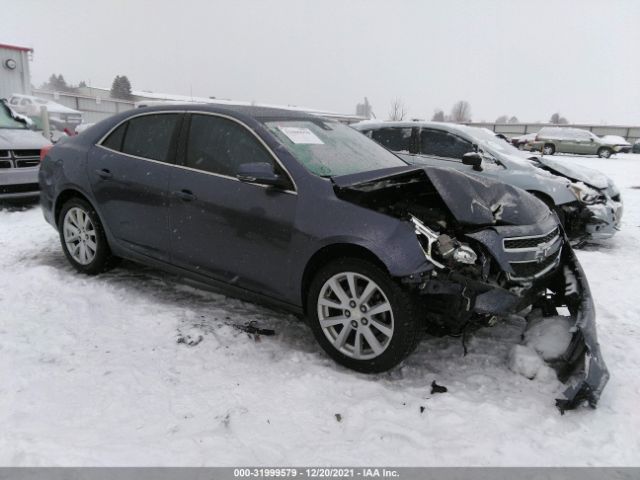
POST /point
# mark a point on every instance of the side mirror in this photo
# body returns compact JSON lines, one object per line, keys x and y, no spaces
{"x":474,"y":159}
{"x":260,"y":173}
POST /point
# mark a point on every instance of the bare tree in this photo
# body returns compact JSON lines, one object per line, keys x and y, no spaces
{"x":397,"y":110}
{"x":461,"y":112}
{"x":438,"y":116}
{"x":557,"y":119}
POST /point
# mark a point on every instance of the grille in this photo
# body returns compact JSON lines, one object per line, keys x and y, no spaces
{"x":32,"y":162}
{"x":531,"y":269}
{"x":26,"y":153}
{"x":530,"y":242}
{"x":25,"y":187}
{"x":5,"y":164}
{"x":4,"y":153}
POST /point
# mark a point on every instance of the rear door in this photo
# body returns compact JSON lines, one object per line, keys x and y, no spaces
{"x":129,"y":174}
{"x":229,"y":230}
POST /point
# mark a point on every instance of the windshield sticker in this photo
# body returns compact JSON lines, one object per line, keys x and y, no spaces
{"x":300,"y":135}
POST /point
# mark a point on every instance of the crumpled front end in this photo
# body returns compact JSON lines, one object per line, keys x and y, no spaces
{"x":599,"y":219}
{"x":514,"y":269}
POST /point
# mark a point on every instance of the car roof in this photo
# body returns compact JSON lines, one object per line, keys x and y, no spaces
{"x":256,"y":112}
{"x":447,"y":126}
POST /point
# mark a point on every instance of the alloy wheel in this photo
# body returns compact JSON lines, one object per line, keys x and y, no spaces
{"x":80,"y":236}
{"x":355,"y":315}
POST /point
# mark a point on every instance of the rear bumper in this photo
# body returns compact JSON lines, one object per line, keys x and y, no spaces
{"x":19,"y":183}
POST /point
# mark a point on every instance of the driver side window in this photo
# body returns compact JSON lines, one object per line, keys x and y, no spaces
{"x":443,"y":144}
{"x":218,"y":145}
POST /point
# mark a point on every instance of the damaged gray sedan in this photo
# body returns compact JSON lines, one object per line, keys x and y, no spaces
{"x":307,"y":214}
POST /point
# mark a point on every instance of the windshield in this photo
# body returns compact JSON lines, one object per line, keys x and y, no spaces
{"x":487,"y":137}
{"x":329,"y":148}
{"x":7,"y":120}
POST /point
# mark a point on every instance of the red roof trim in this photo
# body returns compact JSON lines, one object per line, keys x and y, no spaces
{"x":16,"y":47}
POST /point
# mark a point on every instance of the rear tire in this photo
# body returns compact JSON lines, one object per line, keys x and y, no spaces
{"x":361,"y":317}
{"x":82,"y":238}
{"x":549,"y":149}
{"x":604,"y":152}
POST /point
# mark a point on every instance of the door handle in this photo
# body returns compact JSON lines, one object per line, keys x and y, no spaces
{"x":104,"y":174}
{"x":186,"y":195}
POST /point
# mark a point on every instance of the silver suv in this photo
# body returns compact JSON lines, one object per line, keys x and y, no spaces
{"x":550,"y":140}
{"x":586,"y":201}
{"x":19,"y":156}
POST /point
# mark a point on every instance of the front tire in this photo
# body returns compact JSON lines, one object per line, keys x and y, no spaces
{"x":82,"y":237}
{"x":604,"y":152}
{"x":361,"y":317}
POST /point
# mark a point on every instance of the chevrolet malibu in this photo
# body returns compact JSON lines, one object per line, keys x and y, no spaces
{"x":306,"y":214}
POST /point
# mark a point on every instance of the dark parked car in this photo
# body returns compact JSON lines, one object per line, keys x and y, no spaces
{"x":307,"y":214}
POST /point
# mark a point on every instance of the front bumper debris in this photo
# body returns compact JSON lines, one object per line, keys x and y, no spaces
{"x":581,"y":367}
{"x":584,"y":369}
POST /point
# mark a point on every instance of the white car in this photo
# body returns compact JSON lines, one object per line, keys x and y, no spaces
{"x":19,"y":156}
{"x":60,"y":117}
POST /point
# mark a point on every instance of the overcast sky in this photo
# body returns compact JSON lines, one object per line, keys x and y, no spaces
{"x":524,"y":58}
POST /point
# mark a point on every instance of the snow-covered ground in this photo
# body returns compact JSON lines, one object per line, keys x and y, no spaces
{"x":134,"y":368}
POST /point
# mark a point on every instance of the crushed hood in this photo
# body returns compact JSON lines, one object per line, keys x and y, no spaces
{"x":577,"y":173}
{"x":471,"y":200}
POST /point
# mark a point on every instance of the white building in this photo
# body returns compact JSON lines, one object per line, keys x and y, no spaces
{"x":15,"y":76}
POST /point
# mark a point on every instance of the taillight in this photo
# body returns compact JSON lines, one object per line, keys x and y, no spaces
{"x":44,"y":151}
{"x":537,"y":139}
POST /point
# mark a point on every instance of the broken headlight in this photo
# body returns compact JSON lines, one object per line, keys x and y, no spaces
{"x":585,"y":194}
{"x":439,"y":248}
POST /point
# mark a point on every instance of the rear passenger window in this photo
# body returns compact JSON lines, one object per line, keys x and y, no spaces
{"x":395,"y":139}
{"x":114,"y":141}
{"x":443,"y":144}
{"x":218,"y":145}
{"x":150,"y":136}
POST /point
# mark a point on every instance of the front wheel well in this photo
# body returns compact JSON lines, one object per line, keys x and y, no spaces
{"x":65,"y":196}
{"x":328,"y":254}
{"x":544,"y":198}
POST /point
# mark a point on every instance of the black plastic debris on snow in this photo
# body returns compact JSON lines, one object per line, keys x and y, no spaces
{"x":251,"y":328}
{"x":338,"y":417}
{"x":435,"y":388}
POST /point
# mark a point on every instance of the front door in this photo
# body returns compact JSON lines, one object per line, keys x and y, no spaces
{"x":129,"y":174}
{"x":226,"y":229}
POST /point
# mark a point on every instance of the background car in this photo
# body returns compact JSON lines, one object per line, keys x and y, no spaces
{"x":636,"y":147}
{"x":308,"y":214}
{"x":19,"y":156}
{"x":551,"y":140}
{"x":60,"y":117}
{"x":524,"y":142}
{"x":625,"y":147}
{"x":587,"y":202}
